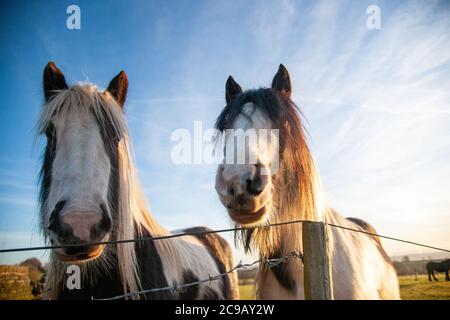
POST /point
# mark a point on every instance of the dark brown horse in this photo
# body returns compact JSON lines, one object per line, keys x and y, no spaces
{"x":442,"y":266}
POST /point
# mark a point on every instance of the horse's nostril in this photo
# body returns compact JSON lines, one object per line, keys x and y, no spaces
{"x":105,"y":223}
{"x":60,"y":205}
{"x":54,"y":222}
{"x":232,"y":191}
{"x":248,"y":184}
{"x":255,"y":186}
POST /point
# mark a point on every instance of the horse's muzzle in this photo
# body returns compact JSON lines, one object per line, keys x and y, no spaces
{"x":79,"y":229}
{"x":79,"y":253}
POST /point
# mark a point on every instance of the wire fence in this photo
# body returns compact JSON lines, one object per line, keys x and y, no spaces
{"x":171,"y":236}
{"x":199,"y":233}
{"x":269,"y":263}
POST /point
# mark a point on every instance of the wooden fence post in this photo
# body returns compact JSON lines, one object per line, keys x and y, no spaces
{"x":317,"y":261}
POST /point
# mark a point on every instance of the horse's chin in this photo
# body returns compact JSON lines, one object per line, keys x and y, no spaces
{"x":251,"y":219}
{"x":93,"y":253}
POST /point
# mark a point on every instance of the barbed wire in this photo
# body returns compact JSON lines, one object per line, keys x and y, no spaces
{"x":389,"y":238}
{"x":170,"y":236}
{"x":199,"y":233}
{"x":269,"y":263}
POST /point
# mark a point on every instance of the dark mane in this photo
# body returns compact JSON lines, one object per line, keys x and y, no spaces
{"x":278,"y":107}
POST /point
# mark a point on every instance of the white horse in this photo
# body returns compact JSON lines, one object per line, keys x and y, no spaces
{"x":89,"y":193}
{"x":282,"y":185}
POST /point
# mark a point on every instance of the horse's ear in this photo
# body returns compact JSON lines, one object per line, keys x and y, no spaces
{"x":232,"y":90}
{"x":53,"y":80}
{"x":282,"y":81}
{"x":118,"y":87}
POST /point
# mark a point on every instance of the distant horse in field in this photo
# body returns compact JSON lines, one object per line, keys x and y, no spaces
{"x":442,"y":266}
{"x":89,"y":193}
{"x":361,"y":268}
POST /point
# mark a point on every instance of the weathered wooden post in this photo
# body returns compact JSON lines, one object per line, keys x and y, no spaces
{"x":317,"y":261}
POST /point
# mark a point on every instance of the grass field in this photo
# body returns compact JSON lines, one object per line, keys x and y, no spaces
{"x":247,"y":291}
{"x":422,"y":289}
{"x":410,"y":289}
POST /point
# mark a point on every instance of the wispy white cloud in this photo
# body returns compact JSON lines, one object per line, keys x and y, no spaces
{"x":377,"y":104}
{"x":379,"y":123}
{"x":376,"y":101}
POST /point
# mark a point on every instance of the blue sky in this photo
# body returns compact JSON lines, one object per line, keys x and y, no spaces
{"x":377,"y":101}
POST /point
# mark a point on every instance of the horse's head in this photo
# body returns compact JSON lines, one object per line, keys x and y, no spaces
{"x":79,"y":172}
{"x":251,"y":190}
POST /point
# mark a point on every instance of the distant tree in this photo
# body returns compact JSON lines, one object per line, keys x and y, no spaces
{"x":405,"y":259}
{"x":35,"y":269}
{"x":36,"y":273}
{"x":33,"y":263}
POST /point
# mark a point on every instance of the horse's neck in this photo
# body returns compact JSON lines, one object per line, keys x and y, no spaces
{"x":151,"y":265}
{"x":285,"y":281}
{"x":109,"y":283}
{"x":166,"y":254}
{"x":106,"y":284}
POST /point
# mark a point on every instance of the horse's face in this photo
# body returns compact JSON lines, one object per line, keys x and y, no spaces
{"x":78,"y":194}
{"x":80,"y":163}
{"x":246,"y":189}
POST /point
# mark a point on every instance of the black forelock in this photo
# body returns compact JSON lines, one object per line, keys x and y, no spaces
{"x":276,"y":105}
{"x":281,"y":110}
